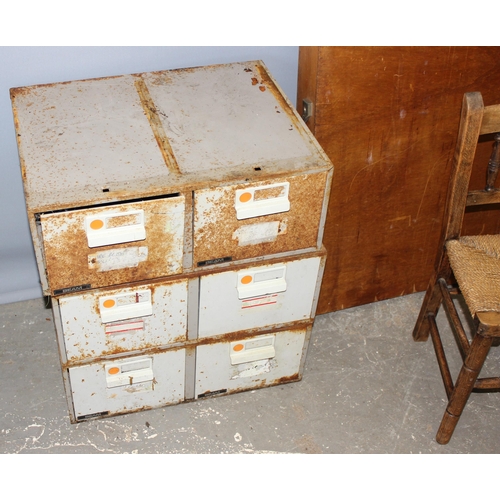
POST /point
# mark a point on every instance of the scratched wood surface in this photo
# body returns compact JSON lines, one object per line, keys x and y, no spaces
{"x":388,"y":117}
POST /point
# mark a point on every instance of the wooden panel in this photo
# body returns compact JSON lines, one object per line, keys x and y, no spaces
{"x":388,"y":117}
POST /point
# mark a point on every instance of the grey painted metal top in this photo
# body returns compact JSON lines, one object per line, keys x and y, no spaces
{"x":96,"y":141}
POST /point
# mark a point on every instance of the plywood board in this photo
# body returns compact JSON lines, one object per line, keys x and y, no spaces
{"x":388,"y":117}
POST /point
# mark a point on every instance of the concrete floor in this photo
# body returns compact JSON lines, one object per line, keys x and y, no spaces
{"x":367,"y":389}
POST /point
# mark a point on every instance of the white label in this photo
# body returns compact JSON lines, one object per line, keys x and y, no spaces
{"x":252,"y":369}
{"x":121,"y":258}
{"x":261,"y":232}
{"x":129,"y":326}
{"x":265,"y":300}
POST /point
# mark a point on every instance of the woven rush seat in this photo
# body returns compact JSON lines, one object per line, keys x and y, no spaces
{"x":475,"y":261}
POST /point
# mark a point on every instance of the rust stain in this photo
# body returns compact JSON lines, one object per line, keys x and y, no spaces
{"x":262,"y":88}
{"x":254,"y":80}
{"x":259,"y":385}
{"x":25,"y":91}
{"x":122,"y":220}
{"x":286,"y":380}
{"x":130,"y":355}
{"x":267,"y":194}
{"x":268,"y":81}
{"x":156,"y":125}
{"x":143,"y":347}
{"x":297,"y":327}
{"x":67,"y":251}
{"x":214,"y":229}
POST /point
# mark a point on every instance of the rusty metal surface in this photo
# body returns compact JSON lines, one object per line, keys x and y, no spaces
{"x":78,"y":138}
{"x":86,"y":335}
{"x":217,"y":374}
{"x":218,"y":234}
{"x":72,"y":263}
{"x":175,"y":145}
{"x":109,"y":139}
{"x":217,"y":118}
{"x":92,"y":396}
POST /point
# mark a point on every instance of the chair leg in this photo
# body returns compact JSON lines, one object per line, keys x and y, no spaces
{"x":471,"y":368}
{"x":430,"y":305}
{"x":433,"y":299}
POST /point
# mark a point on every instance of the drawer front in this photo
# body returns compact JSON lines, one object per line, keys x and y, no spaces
{"x":103,"y":246}
{"x":250,"y":363}
{"x":109,"y":322}
{"x":257,"y":297}
{"x":250,"y":220}
{"x":127,"y":384}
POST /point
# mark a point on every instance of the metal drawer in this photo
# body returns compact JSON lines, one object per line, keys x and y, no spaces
{"x":109,"y":322}
{"x":249,"y":363}
{"x":114,"y":244}
{"x":267,"y":295}
{"x":127,"y":384}
{"x":244,"y":221}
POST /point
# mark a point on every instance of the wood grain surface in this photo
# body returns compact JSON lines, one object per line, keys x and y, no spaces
{"x":388,"y":119}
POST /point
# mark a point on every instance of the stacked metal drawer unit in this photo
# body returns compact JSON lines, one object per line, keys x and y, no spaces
{"x":177,"y":220}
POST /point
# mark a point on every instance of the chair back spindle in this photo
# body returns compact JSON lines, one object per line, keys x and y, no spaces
{"x":493,"y":165}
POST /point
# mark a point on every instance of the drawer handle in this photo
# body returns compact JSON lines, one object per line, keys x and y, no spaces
{"x":125,"y":306}
{"x":246,"y":351}
{"x":262,"y":200}
{"x":129,"y":372}
{"x":256,"y":282}
{"x":115,"y":227}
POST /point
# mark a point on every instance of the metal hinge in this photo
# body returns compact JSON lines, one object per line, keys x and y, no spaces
{"x":307,"y":109}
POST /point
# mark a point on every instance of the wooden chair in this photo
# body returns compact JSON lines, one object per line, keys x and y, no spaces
{"x":469,"y":265}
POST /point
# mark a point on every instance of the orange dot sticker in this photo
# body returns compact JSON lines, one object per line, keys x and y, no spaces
{"x":246,"y":279}
{"x":109,"y":303}
{"x":238,"y":347}
{"x":96,"y":224}
{"x":114,"y":370}
{"x":245,"y":197}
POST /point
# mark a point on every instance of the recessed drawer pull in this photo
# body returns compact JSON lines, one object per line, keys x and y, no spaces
{"x":128,"y":372}
{"x":257,"y":349}
{"x":255,"y":282}
{"x":262,"y":200}
{"x":125,"y":306}
{"x":115,"y":227}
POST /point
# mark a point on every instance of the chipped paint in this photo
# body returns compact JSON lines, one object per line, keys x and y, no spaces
{"x":260,"y":232}
{"x":224,"y":376}
{"x":217,"y":231}
{"x":111,"y":260}
{"x":85,"y":334}
{"x":70,"y":261}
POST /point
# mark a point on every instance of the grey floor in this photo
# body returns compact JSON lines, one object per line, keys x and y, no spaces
{"x":367,"y":388}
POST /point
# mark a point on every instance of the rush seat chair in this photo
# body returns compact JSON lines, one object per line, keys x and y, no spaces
{"x":469,"y":265}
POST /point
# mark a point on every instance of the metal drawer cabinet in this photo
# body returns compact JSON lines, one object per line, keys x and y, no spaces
{"x":225,"y":367}
{"x":126,"y":384}
{"x":112,"y":321}
{"x":120,"y":243}
{"x":257,"y":297}
{"x":177,"y":219}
